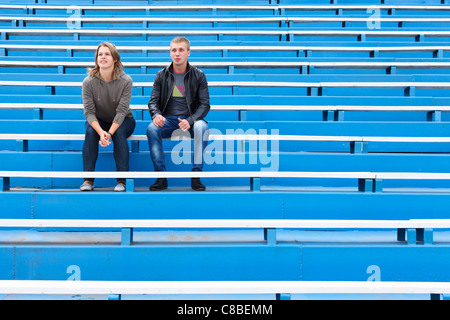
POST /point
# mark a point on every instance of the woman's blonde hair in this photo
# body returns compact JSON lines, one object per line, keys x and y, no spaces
{"x":118,"y":66}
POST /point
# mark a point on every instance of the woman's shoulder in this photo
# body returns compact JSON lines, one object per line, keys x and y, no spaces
{"x":88,"y":80}
{"x":125,"y":77}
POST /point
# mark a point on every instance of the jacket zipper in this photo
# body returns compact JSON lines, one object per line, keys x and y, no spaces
{"x":185,"y":93}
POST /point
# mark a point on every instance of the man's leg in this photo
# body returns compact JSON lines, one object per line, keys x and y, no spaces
{"x":200,"y":131}
{"x":201,"y":138}
{"x":155,"y":136}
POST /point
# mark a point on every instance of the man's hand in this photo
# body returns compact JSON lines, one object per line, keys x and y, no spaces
{"x":184,"y":124}
{"x":159,"y":120}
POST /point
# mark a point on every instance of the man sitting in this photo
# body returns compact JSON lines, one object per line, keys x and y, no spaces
{"x":179,"y":100}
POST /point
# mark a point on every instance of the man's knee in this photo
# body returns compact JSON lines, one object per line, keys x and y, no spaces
{"x":153,"y":130}
{"x":200,"y":127}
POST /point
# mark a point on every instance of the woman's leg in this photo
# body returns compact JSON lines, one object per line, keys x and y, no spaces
{"x":121,"y":148}
{"x":90,"y":149}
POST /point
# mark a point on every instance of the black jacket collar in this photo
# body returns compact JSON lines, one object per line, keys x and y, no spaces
{"x":170,"y":67}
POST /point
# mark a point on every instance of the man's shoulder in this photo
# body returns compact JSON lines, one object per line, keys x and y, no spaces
{"x":196,"y":70}
{"x":162,"y":73}
{"x":197,"y":74}
{"x":164,"y":70}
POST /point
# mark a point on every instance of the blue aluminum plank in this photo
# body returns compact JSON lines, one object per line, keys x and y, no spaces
{"x":227,"y":205}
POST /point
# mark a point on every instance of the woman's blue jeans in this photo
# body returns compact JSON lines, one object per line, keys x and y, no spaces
{"x":199,"y":131}
{"x":120,"y":143}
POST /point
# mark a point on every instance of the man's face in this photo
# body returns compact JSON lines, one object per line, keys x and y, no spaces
{"x":179,"y":53}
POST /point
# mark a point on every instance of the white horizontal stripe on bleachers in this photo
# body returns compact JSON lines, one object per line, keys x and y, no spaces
{"x":233,"y":48}
{"x":128,"y":8}
{"x":436,"y":85}
{"x":153,"y":19}
{"x":56,"y":32}
{"x":229,"y":174}
{"x":368,"y":33}
{"x":139,"y":32}
{"x":223,"y":7}
{"x":79,"y":137}
{"x":363,"y":7}
{"x":227,"y":223}
{"x":190,"y":174}
{"x":262,"y":64}
{"x":111,"y":32}
{"x":218,"y":19}
{"x":220,"y":287}
{"x":63,"y":106}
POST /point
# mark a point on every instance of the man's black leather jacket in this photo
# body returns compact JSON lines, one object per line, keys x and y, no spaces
{"x":195,"y":88}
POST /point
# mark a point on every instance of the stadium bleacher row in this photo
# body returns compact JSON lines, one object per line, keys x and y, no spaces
{"x":328,"y":157}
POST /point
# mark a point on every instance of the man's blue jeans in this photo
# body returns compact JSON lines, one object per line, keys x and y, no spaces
{"x":155,"y":135}
{"x":120,"y":143}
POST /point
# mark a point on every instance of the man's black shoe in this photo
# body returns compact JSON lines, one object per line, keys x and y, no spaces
{"x":197,"y":185}
{"x":160,"y":184}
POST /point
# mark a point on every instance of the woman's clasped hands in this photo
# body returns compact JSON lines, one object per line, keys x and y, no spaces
{"x":105,"y":139}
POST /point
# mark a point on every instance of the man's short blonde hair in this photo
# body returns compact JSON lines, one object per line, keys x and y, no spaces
{"x":180,"y":40}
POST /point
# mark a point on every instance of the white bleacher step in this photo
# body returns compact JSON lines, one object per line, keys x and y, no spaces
{"x":121,"y":32}
{"x":121,"y":48}
{"x":229,"y":7}
{"x":65,"y":106}
{"x":228,"y":223}
{"x":140,"y":7}
{"x":238,"y":137}
{"x":191,"y":174}
{"x":218,"y":19}
{"x":367,"y":181}
{"x":84,"y":287}
{"x":261,"y":64}
{"x":358,"y":144}
{"x":420,"y":85}
{"x":433,"y":112}
{"x":112,"y":32}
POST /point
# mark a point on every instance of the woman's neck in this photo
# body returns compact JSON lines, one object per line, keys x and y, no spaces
{"x":106,"y":74}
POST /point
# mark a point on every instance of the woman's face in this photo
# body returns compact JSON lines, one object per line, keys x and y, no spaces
{"x":105,"y":59}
